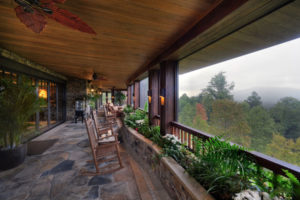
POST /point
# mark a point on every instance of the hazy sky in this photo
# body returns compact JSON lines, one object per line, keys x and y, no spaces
{"x":277,"y":66}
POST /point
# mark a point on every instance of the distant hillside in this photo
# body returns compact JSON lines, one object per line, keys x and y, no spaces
{"x":270,"y":96}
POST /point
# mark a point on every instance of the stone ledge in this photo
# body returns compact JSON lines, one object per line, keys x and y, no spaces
{"x":177,"y":182}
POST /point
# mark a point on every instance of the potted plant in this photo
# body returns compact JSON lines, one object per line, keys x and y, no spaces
{"x":119,"y":98}
{"x":18,"y":101}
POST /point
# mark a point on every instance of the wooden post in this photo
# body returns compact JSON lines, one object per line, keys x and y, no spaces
{"x":106,"y":97}
{"x":129,"y":95}
{"x":168,"y":84}
{"x":136,"y":94}
{"x":154,"y":88}
{"x":113,"y":95}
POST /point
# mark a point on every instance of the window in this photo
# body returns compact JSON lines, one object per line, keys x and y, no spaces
{"x":144,"y":94}
{"x":252,"y":100}
{"x":132,"y":95}
{"x":104,"y":98}
{"x":52,"y":95}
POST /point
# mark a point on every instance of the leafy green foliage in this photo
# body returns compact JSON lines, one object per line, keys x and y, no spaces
{"x":262,"y":127}
{"x":119,"y":97}
{"x":231,"y":167}
{"x":286,"y":114}
{"x":254,"y":100}
{"x":18,"y":102}
{"x":218,"y":88}
{"x":128,"y":109}
{"x":233,"y":170}
{"x":229,"y":120}
{"x":295,"y":184}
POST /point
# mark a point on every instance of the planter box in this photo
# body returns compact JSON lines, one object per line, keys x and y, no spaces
{"x":179,"y":184}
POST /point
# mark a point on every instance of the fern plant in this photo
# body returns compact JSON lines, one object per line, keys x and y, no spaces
{"x":18,"y":102}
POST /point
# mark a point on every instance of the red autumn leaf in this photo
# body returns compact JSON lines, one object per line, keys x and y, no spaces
{"x":200,"y":110}
{"x":35,"y":21}
{"x":68,"y":19}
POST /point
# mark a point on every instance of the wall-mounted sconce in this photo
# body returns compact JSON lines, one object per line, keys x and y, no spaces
{"x":162,"y":96}
{"x":43,"y":93}
{"x":149,"y":96}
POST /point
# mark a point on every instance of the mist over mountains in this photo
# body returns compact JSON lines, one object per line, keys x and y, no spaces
{"x":270,"y":96}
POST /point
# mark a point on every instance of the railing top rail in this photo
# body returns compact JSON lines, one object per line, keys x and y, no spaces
{"x":156,"y":116}
{"x":263,"y":160}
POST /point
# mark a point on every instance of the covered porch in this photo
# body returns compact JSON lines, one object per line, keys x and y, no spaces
{"x":124,"y":58}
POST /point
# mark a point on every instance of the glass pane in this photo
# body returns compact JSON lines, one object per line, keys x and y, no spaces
{"x":109,"y":97}
{"x":253,"y":100}
{"x":60,"y":103}
{"x":144,"y":94}
{"x":131,"y":98}
{"x":43,"y":93}
{"x":103,"y":98}
{"x":53,"y":103}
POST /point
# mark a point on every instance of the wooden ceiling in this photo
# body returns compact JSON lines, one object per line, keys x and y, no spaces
{"x":129,"y":34}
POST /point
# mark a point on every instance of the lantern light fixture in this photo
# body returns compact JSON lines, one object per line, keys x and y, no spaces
{"x":162,"y":96}
{"x":43,"y":93}
{"x":149,"y":96}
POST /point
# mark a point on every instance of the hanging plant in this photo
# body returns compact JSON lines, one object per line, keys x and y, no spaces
{"x":33,"y":14}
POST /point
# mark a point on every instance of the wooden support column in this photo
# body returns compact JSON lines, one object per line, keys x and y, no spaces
{"x":106,"y":97}
{"x":136,"y":94}
{"x":101,"y":96}
{"x":154,"y":90}
{"x":113,"y":95}
{"x":129,"y":95}
{"x":168,"y":83}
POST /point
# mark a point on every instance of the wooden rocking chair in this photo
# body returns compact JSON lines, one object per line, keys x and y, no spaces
{"x":105,"y":132}
{"x":110,"y":116}
{"x":101,"y":153}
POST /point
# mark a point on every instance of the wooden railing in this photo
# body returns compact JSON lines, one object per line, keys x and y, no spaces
{"x":186,"y":134}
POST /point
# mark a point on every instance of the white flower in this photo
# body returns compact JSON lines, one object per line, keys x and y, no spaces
{"x":139,"y":121}
{"x":172,"y":138}
{"x":252,"y":195}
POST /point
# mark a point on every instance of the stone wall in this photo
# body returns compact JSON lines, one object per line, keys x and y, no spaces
{"x":173,"y":177}
{"x":74,"y":89}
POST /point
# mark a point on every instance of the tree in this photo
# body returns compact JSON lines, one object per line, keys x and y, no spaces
{"x":218,"y":88}
{"x":254,"y":100}
{"x":200,"y":120}
{"x":262,"y":128}
{"x":187,"y":114}
{"x":228,"y":119}
{"x":284,"y":149}
{"x":183,"y":100}
{"x":286,"y":114}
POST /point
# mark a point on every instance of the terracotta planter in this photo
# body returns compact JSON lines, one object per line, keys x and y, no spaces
{"x":10,"y":158}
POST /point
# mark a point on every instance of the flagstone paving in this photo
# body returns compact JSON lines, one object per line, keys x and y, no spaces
{"x":55,"y":174}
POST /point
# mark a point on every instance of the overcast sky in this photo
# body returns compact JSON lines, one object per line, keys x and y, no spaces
{"x":277,"y":66}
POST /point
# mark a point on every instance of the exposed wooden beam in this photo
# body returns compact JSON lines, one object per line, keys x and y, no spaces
{"x":218,"y":11}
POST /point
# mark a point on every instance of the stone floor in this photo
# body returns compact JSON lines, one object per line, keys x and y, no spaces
{"x":55,"y":174}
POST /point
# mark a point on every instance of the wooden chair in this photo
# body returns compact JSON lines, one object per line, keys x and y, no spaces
{"x":110,"y":116}
{"x":105,"y":132}
{"x":101,"y":153}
